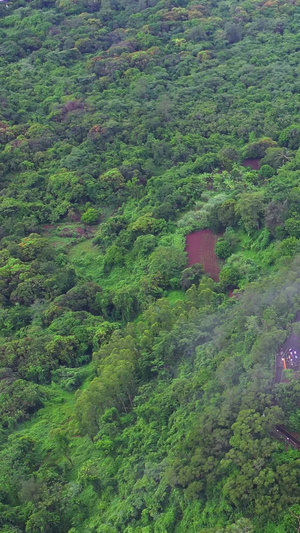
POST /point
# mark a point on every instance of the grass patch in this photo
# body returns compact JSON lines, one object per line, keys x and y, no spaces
{"x":176,"y":296}
{"x":87,"y":260}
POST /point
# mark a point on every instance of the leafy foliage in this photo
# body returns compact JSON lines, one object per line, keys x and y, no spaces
{"x":135,"y":394}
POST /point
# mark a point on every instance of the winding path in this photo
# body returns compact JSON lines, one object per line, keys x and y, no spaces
{"x":288,"y":437}
{"x":292,"y":343}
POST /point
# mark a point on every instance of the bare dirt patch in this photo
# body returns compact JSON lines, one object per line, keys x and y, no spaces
{"x":201,"y":248}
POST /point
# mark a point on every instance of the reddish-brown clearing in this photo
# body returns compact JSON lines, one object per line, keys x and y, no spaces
{"x":201,"y":248}
{"x":253,"y":163}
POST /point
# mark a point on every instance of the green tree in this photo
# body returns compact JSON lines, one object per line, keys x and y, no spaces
{"x":112,"y":180}
{"x":288,"y":247}
{"x":250,"y":208}
{"x":191,"y":275}
{"x":41,"y":521}
{"x":64,"y":350}
{"x":290,"y":137}
{"x":223,"y":248}
{"x":229,"y":277}
{"x":90,"y":474}
{"x":292,"y":226}
{"x":90,"y":216}
{"x":168,"y":263}
{"x":276,"y":157}
{"x":266,"y":171}
{"x":85,"y":45}
{"x":62,"y":442}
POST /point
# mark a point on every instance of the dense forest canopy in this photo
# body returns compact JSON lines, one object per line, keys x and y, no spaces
{"x":137,"y":395}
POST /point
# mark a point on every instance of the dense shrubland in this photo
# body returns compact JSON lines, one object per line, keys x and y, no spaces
{"x":135,"y":395}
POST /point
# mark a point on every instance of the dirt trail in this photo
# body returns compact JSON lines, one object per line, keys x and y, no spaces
{"x":291,"y":344}
{"x":288,"y":437}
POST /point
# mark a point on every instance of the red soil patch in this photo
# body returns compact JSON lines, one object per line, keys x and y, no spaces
{"x":234,"y":294}
{"x":201,"y":248}
{"x":48,"y":227}
{"x":253,"y":163}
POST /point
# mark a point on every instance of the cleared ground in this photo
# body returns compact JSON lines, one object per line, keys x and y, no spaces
{"x":201,"y":248}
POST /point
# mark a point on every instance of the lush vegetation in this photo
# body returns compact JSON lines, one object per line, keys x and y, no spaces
{"x":135,"y":394}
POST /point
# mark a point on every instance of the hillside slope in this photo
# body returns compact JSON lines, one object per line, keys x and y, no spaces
{"x":136,"y":394}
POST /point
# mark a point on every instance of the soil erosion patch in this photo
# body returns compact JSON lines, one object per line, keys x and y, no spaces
{"x":253,"y":163}
{"x":201,"y":248}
